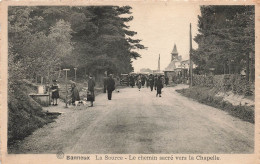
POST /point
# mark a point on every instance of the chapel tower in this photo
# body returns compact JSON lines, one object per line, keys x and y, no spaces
{"x":174,"y":53}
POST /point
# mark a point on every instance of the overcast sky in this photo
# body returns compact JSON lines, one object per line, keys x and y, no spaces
{"x":159,"y":27}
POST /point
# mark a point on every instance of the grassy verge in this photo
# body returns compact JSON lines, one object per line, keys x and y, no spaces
{"x":207,"y":96}
{"x":24,"y":114}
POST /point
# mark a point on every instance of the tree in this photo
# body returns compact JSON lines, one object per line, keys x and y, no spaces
{"x":226,"y":35}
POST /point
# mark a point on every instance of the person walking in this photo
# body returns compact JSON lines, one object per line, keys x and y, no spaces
{"x":110,"y":86}
{"x":91,"y":94}
{"x":166,"y":80}
{"x":159,"y":86}
{"x":139,"y":82}
{"x":147,"y":82}
{"x":151,"y":81}
{"x":105,"y":83}
{"x":55,"y":93}
{"x":132,"y":81}
{"x":143,"y":79}
{"x":155,"y":82}
{"x":74,"y":93}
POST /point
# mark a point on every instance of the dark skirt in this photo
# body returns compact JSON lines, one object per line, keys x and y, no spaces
{"x":55,"y":95}
{"x":91,"y":96}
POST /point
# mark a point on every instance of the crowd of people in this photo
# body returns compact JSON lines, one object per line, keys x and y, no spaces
{"x":154,"y":82}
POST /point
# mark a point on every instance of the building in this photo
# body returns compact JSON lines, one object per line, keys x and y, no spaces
{"x":177,"y":70}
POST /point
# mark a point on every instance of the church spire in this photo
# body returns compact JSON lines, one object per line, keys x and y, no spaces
{"x":174,"y":52}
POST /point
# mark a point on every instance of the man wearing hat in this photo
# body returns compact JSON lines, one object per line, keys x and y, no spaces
{"x":110,"y":86}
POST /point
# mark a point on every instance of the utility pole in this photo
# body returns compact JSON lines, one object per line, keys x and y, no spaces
{"x":191,"y":64}
{"x":66,"y":80}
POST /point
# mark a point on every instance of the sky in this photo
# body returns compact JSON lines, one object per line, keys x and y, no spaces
{"x":161,"y":26}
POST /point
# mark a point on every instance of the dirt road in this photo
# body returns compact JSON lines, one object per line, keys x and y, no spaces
{"x":139,"y":122}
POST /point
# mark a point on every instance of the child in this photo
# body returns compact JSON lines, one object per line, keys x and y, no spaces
{"x":55,"y":92}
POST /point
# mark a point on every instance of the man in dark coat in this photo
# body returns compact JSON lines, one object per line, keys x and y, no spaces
{"x":143,"y":79}
{"x":110,"y":86}
{"x":151,"y":81}
{"x":155,"y":82}
{"x":159,"y":86}
{"x":91,"y":86}
{"x":105,"y":83}
{"x":132,"y":81}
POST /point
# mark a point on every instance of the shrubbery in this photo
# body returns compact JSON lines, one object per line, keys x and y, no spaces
{"x":228,"y":82}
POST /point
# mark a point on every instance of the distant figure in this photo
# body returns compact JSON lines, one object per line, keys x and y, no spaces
{"x":139,"y":82}
{"x":55,"y":92}
{"x":91,"y":94}
{"x":132,"y":81}
{"x":155,"y":82}
{"x":159,"y":86}
{"x":147,"y":82}
{"x":74,"y":93}
{"x":105,"y":83}
{"x":151,"y":81}
{"x":166,"y":80}
{"x":110,"y":86}
{"x":143,"y":79}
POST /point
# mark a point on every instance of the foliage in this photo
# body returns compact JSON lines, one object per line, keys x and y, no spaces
{"x":94,"y":39}
{"x":226,"y":36}
{"x":235,"y":83}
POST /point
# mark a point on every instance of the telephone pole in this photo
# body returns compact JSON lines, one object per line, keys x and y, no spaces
{"x":191,"y":64}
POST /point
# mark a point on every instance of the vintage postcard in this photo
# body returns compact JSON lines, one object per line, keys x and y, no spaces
{"x":129,"y":81}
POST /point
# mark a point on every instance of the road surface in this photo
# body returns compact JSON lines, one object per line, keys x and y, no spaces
{"x":139,"y":122}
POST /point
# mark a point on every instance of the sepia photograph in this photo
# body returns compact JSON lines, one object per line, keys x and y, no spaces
{"x":131,"y":79}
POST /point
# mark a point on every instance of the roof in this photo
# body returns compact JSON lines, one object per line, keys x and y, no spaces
{"x":171,"y":66}
{"x":174,"y":51}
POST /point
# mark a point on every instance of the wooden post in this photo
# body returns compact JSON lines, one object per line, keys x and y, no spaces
{"x":41,"y":80}
{"x":66,"y":80}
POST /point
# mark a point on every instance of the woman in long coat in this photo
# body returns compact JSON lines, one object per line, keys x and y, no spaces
{"x":74,"y":93}
{"x":159,"y":86}
{"x":91,"y":86}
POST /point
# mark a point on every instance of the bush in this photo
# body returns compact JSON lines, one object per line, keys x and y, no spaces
{"x":231,"y":82}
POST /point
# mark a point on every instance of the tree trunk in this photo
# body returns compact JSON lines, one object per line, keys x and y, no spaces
{"x":247,"y":66}
{"x":252,"y":68}
{"x":229,"y":66}
{"x":224,"y":68}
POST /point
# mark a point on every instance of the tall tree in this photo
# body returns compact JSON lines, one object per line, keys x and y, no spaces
{"x":226,"y":35}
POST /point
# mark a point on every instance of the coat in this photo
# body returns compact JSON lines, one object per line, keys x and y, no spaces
{"x":75,"y":94}
{"x":91,"y":85}
{"x":110,"y":84}
{"x":159,"y":83}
